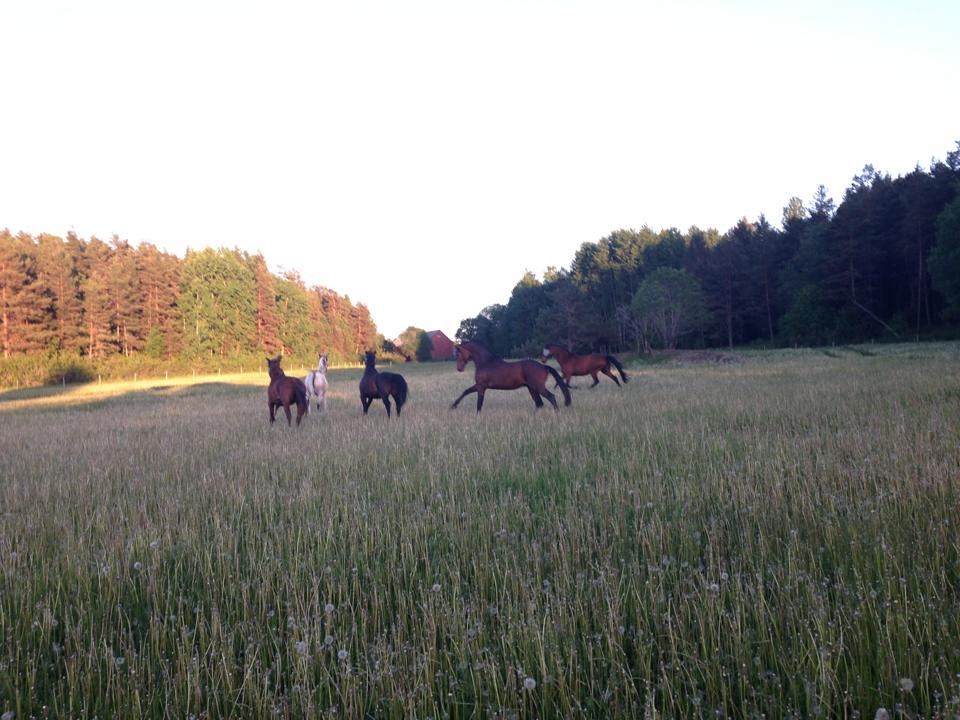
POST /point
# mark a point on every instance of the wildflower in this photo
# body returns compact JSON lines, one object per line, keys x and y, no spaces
{"x":906,"y":684}
{"x":343,"y":655}
{"x":302,"y":648}
{"x":436,"y":587}
{"x":328,"y":608}
{"x":529,"y":683}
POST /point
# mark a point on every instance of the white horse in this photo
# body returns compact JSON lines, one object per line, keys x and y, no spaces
{"x":316,"y":382}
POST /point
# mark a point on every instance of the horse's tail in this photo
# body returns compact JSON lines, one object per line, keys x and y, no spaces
{"x":300,"y":396}
{"x":564,"y":388}
{"x":616,"y":363}
{"x":400,"y":394}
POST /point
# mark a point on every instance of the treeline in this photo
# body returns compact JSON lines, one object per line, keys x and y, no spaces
{"x":885,"y":264}
{"x":95,"y":301}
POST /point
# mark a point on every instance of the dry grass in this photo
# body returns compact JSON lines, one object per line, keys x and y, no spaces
{"x":776,"y":537}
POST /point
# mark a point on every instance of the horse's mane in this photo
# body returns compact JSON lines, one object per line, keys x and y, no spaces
{"x":480,"y":351}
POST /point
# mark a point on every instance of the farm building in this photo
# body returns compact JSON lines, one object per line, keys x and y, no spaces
{"x":442,"y":345}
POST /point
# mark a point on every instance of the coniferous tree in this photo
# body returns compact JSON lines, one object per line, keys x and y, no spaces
{"x":58,"y":274}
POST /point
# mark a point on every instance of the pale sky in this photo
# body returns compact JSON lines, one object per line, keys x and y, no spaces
{"x":419,"y":156}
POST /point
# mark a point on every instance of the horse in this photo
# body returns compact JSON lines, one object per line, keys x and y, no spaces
{"x":381,"y":385}
{"x":316,"y":383}
{"x":285,"y":390}
{"x":493,"y":373}
{"x":571,"y":364}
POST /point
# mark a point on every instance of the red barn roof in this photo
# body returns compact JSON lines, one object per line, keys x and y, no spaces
{"x":442,"y":345}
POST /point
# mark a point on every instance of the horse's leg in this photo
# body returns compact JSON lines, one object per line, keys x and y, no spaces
{"x":386,"y":403}
{"x":471,"y":389}
{"x":606,"y":371}
{"x":301,"y":411}
{"x":551,"y":398}
{"x":480,"y":392}
{"x":365,"y":401}
{"x":273,"y":410}
{"x":286,"y":411}
{"x":596,"y":380}
{"x":536,"y":397}
{"x":567,"y":376}
{"x":398,"y":405}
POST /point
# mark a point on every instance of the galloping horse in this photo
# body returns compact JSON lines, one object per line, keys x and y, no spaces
{"x":381,"y":385}
{"x":571,"y":364}
{"x":492,"y":373}
{"x":316,"y":383}
{"x":285,"y":390}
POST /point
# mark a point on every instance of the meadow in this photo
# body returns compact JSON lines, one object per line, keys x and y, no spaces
{"x":776,"y":537}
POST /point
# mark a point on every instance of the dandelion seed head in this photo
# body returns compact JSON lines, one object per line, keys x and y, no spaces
{"x":714,"y":588}
{"x":343,"y":655}
{"x":328,"y":608}
{"x":724,"y":577}
{"x":119,"y":660}
{"x":328,"y":640}
{"x":436,"y":587}
{"x":154,"y":544}
{"x":138,"y":566}
{"x":881,"y":714}
{"x":529,"y":683}
{"x":302,"y":648}
{"x":906,"y":684}
{"x":8,"y":715}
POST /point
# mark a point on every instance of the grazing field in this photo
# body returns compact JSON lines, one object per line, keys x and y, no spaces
{"x":778,"y":537}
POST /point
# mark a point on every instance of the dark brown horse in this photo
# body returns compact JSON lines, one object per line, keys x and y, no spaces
{"x":592,"y":364}
{"x":285,"y":391}
{"x":492,"y":373}
{"x":381,"y":385}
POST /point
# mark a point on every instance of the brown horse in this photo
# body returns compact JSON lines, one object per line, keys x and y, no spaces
{"x":571,"y":364}
{"x":285,"y":391}
{"x":381,"y":385}
{"x":492,"y":373}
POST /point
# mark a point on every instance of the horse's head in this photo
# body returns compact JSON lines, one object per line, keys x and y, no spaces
{"x":273,"y":366}
{"x":463,"y":356}
{"x":323,"y":362}
{"x":370,"y":359}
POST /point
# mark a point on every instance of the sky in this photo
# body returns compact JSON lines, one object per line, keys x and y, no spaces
{"x":421,"y":156}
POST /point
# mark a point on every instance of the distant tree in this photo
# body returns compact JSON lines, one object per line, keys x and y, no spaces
{"x":296,"y":336}
{"x":23,"y":304}
{"x":668,"y":304}
{"x":944,"y":260}
{"x":424,"y":348}
{"x":410,"y":341}
{"x":58,"y":274}
{"x":809,"y":320}
{"x":267,"y":320}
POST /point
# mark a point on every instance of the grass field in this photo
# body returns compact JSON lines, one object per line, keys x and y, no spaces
{"x":778,"y":537}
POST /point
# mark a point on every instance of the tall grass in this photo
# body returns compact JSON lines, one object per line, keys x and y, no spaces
{"x":774,"y":538}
